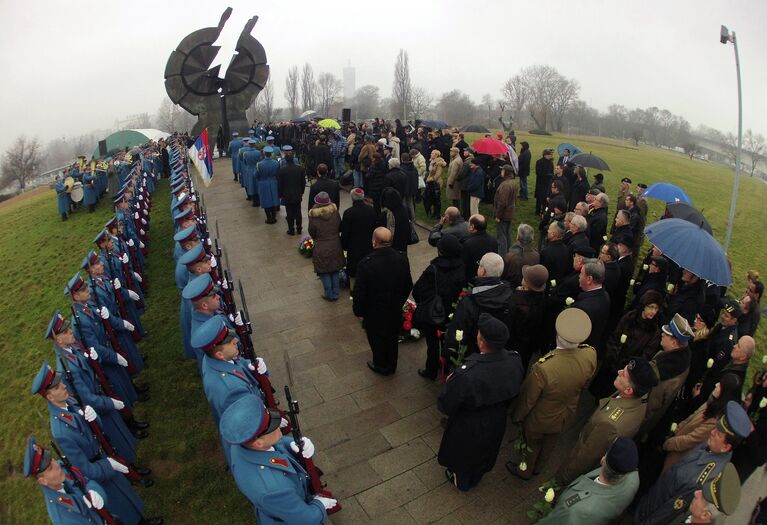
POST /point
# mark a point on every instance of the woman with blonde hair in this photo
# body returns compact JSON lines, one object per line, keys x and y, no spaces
{"x":432,"y":198}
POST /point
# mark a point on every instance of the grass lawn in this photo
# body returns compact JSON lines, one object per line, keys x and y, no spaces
{"x":39,"y":253}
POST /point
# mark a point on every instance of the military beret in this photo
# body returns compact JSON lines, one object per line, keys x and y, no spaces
{"x":246,"y":419}
{"x":45,"y":379}
{"x":75,"y":284}
{"x":287,"y":147}
{"x":183,"y":214}
{"x":626,"y":179}
{"x":210,"y":333}
{"x":585,"y":251}
{"x":493,"y":331}
{"x":268,"y":149}
{"x":193,"y":256}
{"x":724,"y":490}
{"x":622,"y":456}
{"x":186,"y":234}
{"x":90,"y":259}
{"x":102,"y":236}
{"x":36,"y":458}
{"x":735,"y":422}
{"x":573,"y":325}
{"x":199,"y":287}
{"x":57,"y":325}
{"x":678,"y":328}
{"x":642,"y":375}
{"x":732,"y":307}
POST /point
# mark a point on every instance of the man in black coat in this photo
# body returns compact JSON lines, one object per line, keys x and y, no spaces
{"x":475,"y":399}
{"x":394,"y":216}
{"x":594,"y":300}
{"x":622,"y":232}
{"x":382,"y":286}
{"x":687,"y":298}
{"x":555,"y":256}
{"x":323,"y":183}
{"x":291,"y":183}
{"x":476,"y":245}
{"x":411,"y":175}
{"x":396,"y":178}
{"x":578,"y":235}
{"x":544,"y":171}
{"x":320,"y":153}
{"x":597,"y":221}
{"x":524,"y":169}
{"x":357,"y":225}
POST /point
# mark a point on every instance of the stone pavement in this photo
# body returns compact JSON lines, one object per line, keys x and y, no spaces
{"x":376,"y":437}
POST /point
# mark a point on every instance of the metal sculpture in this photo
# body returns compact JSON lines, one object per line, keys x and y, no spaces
{"x":196,"y":87}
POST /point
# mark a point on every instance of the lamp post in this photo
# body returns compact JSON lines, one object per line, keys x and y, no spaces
{"x":726,"y":36}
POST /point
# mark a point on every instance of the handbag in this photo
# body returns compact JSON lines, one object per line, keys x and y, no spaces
{"x":413,"y":235}
{"x":431,"y":312}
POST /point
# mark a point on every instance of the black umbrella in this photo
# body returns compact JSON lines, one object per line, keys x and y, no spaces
{"x":682,"y":210}
{"x":475,"y":128}
{"x":434,"y":124}
{"x":587,"y":160}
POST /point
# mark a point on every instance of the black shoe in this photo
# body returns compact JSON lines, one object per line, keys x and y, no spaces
{"x":141,"y":388}
{"x":142,"y":470}
{"x":146,"y":483}
{"x":138,"y":433}
{"x":299,"y":230}
{"x":248,"y":198}
{"x":376,"y":369}
{"x":426,"y":375}
{"x":291,"y":232}
{"x":151,"y":521}
{"x":140,"y":425}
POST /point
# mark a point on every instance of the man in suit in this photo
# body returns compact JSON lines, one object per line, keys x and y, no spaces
{"x":594,"y":300}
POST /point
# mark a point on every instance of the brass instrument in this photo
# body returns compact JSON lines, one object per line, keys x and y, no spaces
{"x":69,"y":182}
{"x":81,"y":162}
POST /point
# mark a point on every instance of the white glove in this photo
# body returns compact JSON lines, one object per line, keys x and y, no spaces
{"x":238,"y":319}
{"x":261,"y":365}
{"x":117,"y":284}
{"x":87,"y":501}
{"x":95,"y":499}
{"x":308,"y":450}
{"x":142,"y":232}
{"x":130,"y":242}
{"x":135,"y":215}
{"x":128,"y":325}
{"x":92,"y":353}
{"x":138,"y":277}
{"x":283,"y":422}
{"x":225,"y":286}
{"x":143,"y":221}
{"x":116,"y":465}
{"x":328,"y":503}
{"x":140,"y":244}
{"x":146,"y":213}
{"x":209,"y":241}
{"x":89,"y":414}
{"x":121,"y":360}
{"x":141,"y":197}
{"x":104,"y":313}
{"x":133,"y":295}
{"x":213,"y":262}
{"x":124,"y":258}
{"x":194,"y":198}
{"x":119,"y":405}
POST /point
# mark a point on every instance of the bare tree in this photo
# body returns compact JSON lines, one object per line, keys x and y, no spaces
{"x":420,"y":102}
{"x":690,"y":149}
{"x":291,"y":91}
{"x":489,"y":103}
{"x":402,"y":91}
{"x":457,"y":108}
{"x":565,"y":92}
{"x":308,"y":88}
{"x":753,"y":143}
{"x":21,"y":162}
{"x":263,"y":105}
{"x":515,"y":93}
{"x":367,"y":102}
{"x":328,"y":89}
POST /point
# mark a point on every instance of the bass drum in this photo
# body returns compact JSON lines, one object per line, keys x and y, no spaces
{"x":77,"y":192}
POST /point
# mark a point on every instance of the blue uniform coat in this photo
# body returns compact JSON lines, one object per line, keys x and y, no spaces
{"x":62,"y":197}
{"x":250,"y":159}
{"x":266,"y":175}
{"x":69,"y":508}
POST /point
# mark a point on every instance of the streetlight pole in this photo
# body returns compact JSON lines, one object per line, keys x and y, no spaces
{"x":724,"y":37}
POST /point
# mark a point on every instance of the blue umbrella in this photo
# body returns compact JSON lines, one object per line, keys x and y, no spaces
{"x":574,"y":150}
{"x":667,"y":192}
{"x":691,"y":247}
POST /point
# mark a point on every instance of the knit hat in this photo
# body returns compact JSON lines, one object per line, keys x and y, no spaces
{"x":357,"y":194}
{"x":493,"y":331}
{"x":622,"y":457}
{"x":322,"y":198}
{"x":449,"y":246}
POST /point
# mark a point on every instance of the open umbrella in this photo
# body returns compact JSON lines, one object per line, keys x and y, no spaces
{"x":489,"y":146}
{"x":691,"y":247}
{"x":667,"y":192}
{"x":587,"y":160}
{"x":329,"y":123}
{"x":299,"y":120}
{"x":307,"y":113}
{"x":682,"y":210}
{"x":475,"y":128}
{"x":434,"y":124}
{"x":574,"y":150}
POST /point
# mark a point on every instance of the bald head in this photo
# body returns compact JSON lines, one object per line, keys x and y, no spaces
{"x":452,"y":213}
{"x":381,"y":237}
{"x":743,"y":351}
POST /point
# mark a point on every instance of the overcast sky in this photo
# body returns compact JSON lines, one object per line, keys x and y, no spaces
{"x":71,"y":67}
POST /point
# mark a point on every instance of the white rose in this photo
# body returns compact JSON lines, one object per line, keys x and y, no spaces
{"x":604,"y":237}
{"x":632,"y":282}
{"x":709,"y":363}
{"x":549,"y":497}
{"x":674,"y":426}
{"x":763,"y":402}
{"x":523,"y":466}
{"x":670,"y":287}
{"x":624,"y":338}
{"x":553,"y":283}
{"x":764,"y":359}
{"x":569,"y":301}
{"x":645,"y":267}
{"x":459,"y":335}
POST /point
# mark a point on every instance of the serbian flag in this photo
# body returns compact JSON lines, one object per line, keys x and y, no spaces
{"x":199,"y":154}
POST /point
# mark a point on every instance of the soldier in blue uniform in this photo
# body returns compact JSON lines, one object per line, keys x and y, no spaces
{"x":234,"y":148}
{"x":275,"y":149}
{"x":265,"y":467}
{"x":668,"y":498}
{"x":66,"y":503}
{"x":266,"y":176}
{"x":249,"y":158}
{"x":197,"y":262}
{"x":87,"y":385}
{"x":71,"y":431}
{"x":90,"y":194}
{"x":186,"y":239}
{"x":62,"y":198}
{"x":283,"y":160}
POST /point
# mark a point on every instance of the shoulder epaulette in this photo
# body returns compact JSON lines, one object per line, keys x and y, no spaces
{"x":546,"y":357}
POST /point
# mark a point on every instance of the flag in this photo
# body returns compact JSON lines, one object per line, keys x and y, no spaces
{"x":199,"y":154}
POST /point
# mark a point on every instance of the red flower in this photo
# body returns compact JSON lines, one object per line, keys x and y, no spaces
{"x":407,"y":326}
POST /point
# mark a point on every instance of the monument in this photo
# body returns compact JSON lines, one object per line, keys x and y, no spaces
{"x":195,"y":86}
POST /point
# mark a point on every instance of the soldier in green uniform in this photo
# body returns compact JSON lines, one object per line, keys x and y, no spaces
{"x":619,"y":415}
{"x":551,"y":390}
{"x":601,"y":495}
{"x":718,"y":496}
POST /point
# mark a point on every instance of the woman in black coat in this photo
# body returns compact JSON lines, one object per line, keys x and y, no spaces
{"x":579,"y":187}
{"x":450,"y":280}
{"x":394,"y":216}
{"x":357,"y":227}
{"x":375,"y":181}
{"x":524,"y":169}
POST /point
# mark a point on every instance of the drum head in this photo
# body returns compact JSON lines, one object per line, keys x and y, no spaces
{"x":77,"y":192}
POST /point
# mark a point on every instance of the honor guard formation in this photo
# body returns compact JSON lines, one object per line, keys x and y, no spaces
{"x":512,"y":332}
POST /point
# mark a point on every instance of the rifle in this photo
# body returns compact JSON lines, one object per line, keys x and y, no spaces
{"x":102,"y":438}
{"x":78,"y":481}
{"x":316,"y":486}
{"x":226,"y":279}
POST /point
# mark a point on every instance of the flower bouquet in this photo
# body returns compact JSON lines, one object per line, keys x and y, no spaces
{"x":306,"y":247}
{"x":408,"y":333}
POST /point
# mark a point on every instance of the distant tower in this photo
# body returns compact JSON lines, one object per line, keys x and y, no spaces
{"x":350,"y":85}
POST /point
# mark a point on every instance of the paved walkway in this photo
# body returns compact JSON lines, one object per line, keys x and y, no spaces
{"x":376,"y":437}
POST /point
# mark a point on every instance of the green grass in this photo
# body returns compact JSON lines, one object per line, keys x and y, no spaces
{"x":38,"y":254}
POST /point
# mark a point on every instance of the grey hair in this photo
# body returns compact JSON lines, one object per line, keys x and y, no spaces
{"x":492,"y":263}
{"x":394,"y":163}
{"x":580,"y":222}
{"x":595,"y":269}
{"x":525,"y":234}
